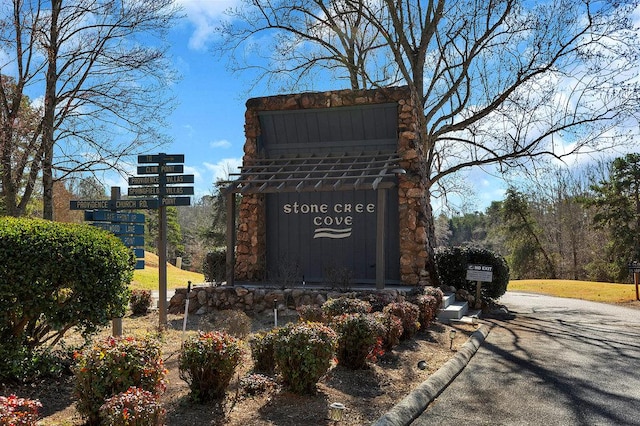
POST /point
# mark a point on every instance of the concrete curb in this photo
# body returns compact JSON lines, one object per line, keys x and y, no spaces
{"x":417,"y":401}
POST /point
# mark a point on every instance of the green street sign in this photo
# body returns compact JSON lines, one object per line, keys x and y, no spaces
{"x":176,"y":201}
{"x":155,"y":180}
{"x":113,"y":204}
{"x":132,"y":241}
{"x":110,"y":216}
{"x":120,"y":228}
{"x":161,"y":158}
{"x":143,"y":190}
{"x":154,"y":170}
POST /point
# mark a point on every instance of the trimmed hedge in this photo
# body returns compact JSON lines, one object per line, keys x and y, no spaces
{"x":214,"y":267}
{"x":452,"y":264}
{"x":57,"y":275}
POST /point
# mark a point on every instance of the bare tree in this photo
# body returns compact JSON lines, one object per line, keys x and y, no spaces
{"x":498,"y":82}
{"x":20,"y":148}
{"x":100,"y":67}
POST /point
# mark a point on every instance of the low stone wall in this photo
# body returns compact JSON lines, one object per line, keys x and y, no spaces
{"x":255,"y":300}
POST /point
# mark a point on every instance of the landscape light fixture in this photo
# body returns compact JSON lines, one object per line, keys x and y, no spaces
{"x":422,"y":365}
{"x":336,"y":412}
{"x":452,"y":335}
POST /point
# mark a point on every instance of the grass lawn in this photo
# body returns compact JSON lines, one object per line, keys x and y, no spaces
{"x":147,"y":278}
{"x":586,"y":290}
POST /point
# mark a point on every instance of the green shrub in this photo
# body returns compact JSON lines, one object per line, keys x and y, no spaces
{"x":359,"y":338}
{"x":435,"y":292}
{"x":345,"y":305}
{"x":378,"y":300}
{"x":428,"y":307}
{"x":311,"y":313}
{"x":257,"y":384}
{"x":452,"y":268}
{"x":112,"y":366}
{"x":140,"y":302}
{"x":262,"y":351}
{"x":408,"y":314}
{"x":232,"y":321}
{"x":208,"y":362}
{"x":391,"y":329}
{"x":55,"y":276}
{"x":303,"y":353}
{"x":214,"y":266}
{"x":16,"y":411}
{"x":21,"y":364}
{"x":134,"y":407}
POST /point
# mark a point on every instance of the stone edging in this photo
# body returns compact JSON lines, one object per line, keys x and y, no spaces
{"x":416,"y":402}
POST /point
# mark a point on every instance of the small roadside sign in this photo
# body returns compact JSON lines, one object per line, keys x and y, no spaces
{"x":154,"y":170}
{"x":132,"y":240}
{"x":120,"y":228}
{"x":176,"y":201}
{"x":160,"y":190}
{"x":482,"y":273}
{"x":113,"y":204}
{"x":161,"y":158}
{"x":109,"y":216}
{"x":155,"y":180}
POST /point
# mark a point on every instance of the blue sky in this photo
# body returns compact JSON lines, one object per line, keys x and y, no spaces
{"x":208,"y":124}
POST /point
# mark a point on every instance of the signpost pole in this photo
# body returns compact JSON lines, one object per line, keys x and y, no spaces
{"x":478,"y":295}
{"x":636,"y":280}
{"x":162,"y":256}
{"x":116,"y":323}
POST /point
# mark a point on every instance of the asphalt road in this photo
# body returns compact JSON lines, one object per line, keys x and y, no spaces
{"x":555,"y":362}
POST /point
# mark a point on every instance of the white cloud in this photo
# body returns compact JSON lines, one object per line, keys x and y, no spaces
{"x":223,"y":167}
{"x":222,"y":143}
{"x":203,"y":15}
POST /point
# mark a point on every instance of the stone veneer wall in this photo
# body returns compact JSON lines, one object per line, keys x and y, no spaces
{"x":206,"y":299}
{"x":413,"y":208}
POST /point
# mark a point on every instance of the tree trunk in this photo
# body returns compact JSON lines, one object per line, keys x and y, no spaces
{"x":50,"y":103}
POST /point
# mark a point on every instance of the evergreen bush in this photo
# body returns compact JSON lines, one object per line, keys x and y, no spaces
{"x":345,"y":305}
{"x":359,"y":338}
{"x":391,"y":327}
{"x":208,"y":362}
{"x":215,"y":265}
{"x":262,"y":351}
{"x":112,"y":366}
{"x":16,"y":411}
{"x":409,"y":314}
{"x":452,"y":264}
{"x":56,"y":276}
{"x":303,"y":353}
{"x":134,"y":407}
{"x":140,"y":302}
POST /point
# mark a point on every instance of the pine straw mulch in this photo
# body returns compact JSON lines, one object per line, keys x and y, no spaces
{"x":367,"y":394}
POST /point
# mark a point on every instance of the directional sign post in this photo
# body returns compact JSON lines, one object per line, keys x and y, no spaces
{"x":161,"y":170}
{"x":479,"y":274}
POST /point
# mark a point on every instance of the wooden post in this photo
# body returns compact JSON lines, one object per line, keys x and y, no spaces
{"x":231,"y":238}
{"x":380,"y":239}
{"x":636,"y":280}
{"x":116,"y":323}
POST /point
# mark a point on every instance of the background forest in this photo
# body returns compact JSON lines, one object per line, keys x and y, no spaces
{"x":579,"y":224}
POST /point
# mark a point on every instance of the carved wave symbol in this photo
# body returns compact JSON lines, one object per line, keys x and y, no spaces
{"x":332,"y":233}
